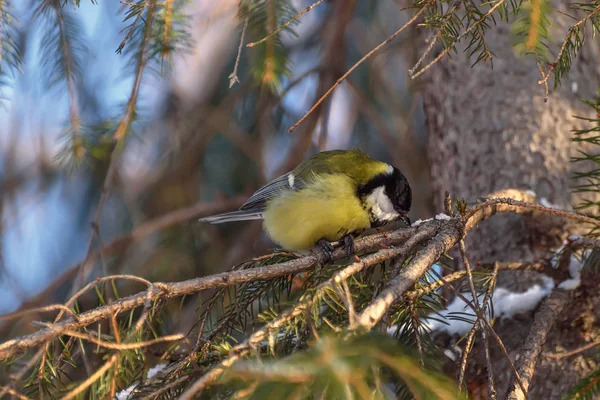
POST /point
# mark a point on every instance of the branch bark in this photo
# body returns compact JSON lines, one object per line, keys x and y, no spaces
{"x":375,"y":311}
{"x":530,"y":350}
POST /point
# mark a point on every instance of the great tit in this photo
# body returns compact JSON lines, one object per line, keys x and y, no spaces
{"x":332,"y":196}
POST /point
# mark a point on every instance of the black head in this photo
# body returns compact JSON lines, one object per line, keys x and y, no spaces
{"x":396,"y":188}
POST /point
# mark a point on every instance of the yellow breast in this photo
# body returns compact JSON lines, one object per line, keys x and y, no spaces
{"x":327,"y":209}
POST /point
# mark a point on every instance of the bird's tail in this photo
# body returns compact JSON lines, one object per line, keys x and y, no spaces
{"x":240,"y":215}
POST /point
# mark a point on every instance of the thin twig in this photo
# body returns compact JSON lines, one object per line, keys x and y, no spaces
{"x":288,"y":23}
{"x":451,"y":46}
{"x":488,"y":295}
{"x":52,"y":307}
{"x":471,"y":336}
{"x":233,"y":77}
{"x":166,"y":388}
{"x":448,"y":210}
{"x":414,"y":316}
{"x":491,"y":330}
{"x":432,"y":43}
{"x":150,"y":295}
{"x":127,"y":117}
{"x":116,"y":346}
{"x":465,"y":356}
{"x":490,"y":206}
{"x":481,"y":314}
{"x":460,"y":274}
{"x":581,"y":349}
{"x":115,"y":328}
{"x":359,"y":62}
{"x":544,"y":82}
{"x":17,"y":378}
{"x":564,"y":46}
{"x":12,"y":392}
{"x":346,"y":297}
{"x":467,"y":265}
{"x":93,"y":378}
{"x":132,"y":26}
{"x":202,"y":325}
{"x":168,"y":21}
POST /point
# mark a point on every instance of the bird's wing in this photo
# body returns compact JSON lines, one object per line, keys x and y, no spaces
{"x":349,"y":162}
{"x":353,"y":163}
{"x":284,"y":183}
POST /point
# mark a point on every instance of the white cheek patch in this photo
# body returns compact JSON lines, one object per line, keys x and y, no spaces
{"x":291,"y":179}
{"x":381,"y":205}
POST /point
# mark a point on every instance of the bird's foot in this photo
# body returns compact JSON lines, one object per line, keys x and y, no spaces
{"x":348,"y":245}
{"x":327,"y":251}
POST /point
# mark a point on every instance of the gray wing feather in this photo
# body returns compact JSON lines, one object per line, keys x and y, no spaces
{"x":241,"y":215}
{"x":284,"y":183}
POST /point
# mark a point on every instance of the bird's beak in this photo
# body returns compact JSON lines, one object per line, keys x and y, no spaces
{"x":406,"y":220}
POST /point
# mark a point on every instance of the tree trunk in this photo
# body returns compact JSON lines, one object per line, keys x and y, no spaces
{"x":490,"y":130}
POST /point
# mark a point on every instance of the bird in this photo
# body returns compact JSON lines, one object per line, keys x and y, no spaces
{"x":330,"y":197}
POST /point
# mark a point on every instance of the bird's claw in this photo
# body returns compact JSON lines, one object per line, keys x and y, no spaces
{"x":348,"y":245}
{"x":347,"y":242}
{"x":326,"y":249}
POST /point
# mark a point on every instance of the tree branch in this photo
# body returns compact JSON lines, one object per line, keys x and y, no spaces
{"x":442,"y":234}
{"x":530,"y":350}
{"x":177,"y":289}
{"x":450,"y":234}
{"x":241,"y":350}
{"x":440,"y":244}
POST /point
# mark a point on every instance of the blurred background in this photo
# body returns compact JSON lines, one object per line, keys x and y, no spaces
{"x":194,"y":145}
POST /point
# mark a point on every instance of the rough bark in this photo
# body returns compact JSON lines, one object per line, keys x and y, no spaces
{"x":491,"y":129}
